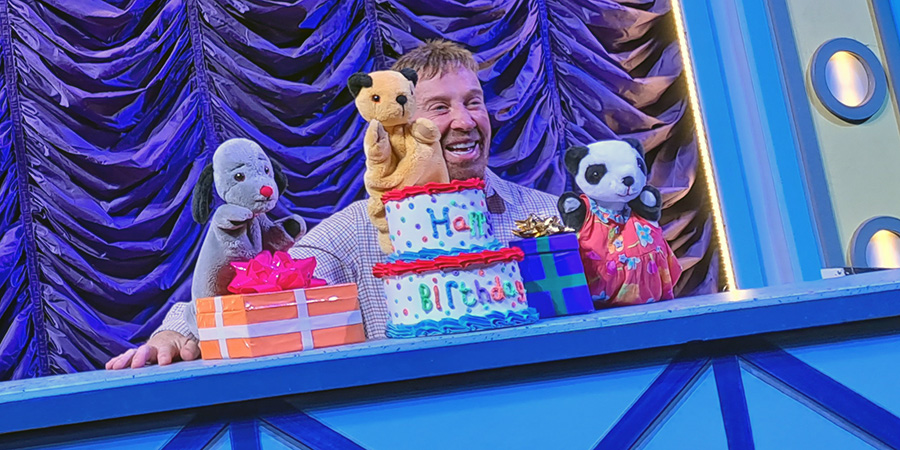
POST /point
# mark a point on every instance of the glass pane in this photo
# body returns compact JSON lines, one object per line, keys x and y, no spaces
{"x":883,"y":250}
{"x":847,"y":79}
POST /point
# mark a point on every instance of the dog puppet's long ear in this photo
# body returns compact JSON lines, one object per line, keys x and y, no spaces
{"x":358,"y":81}
{"x":201,"y":203}
{"x":281,"y":180}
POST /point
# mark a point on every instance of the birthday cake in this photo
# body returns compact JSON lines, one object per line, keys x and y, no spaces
{"x":448,"y":273}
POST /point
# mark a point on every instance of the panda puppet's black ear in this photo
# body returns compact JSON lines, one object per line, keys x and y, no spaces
{"x":202,"y":197}
{"x":640,"y":149}
{"x":636,"y":144}
{"x":573,"y":157}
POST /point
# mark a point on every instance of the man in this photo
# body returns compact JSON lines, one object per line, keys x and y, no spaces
{"x":346,"y":244}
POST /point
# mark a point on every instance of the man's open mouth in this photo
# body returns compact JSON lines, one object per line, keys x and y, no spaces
{"x":462,"y":148}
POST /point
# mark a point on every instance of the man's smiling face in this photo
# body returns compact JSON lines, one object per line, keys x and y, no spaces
{"x":454,"y":101}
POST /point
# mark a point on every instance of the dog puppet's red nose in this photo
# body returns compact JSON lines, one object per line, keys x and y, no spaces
{"x":266,"y":191}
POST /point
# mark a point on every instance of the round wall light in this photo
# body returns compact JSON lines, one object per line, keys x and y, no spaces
{"x":848,"y":79}
{"x":876,"y":244}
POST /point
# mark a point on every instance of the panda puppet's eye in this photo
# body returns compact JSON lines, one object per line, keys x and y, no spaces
{"x":594,"y":173}
{"x":641,"y":165}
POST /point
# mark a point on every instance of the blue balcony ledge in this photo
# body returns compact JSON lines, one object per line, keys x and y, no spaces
{"x":91,"y":396}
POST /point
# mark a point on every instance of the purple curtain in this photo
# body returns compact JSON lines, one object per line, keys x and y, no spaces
{"x":109,"y":109}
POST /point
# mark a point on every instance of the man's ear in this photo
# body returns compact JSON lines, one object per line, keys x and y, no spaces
{"x":358,"y":81}
{"x":281,"y":179}
{"x":201,"y":203}
{"x":573,"y":157}
{"x":410,"y":75}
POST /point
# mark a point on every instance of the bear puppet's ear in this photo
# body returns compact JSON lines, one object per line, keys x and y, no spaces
{"x":358,"y":81}
{"x":410,"y":75}
{"x":574,"y":155}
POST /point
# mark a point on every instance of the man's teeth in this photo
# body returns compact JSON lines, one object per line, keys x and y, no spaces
{"x":461,"y":147}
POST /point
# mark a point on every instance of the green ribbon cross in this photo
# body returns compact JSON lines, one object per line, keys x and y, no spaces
{"x":558,"y":282}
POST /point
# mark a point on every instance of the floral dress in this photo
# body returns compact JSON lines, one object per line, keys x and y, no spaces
{"x":626,"y":259}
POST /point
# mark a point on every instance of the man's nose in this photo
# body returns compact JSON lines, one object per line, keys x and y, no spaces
{"x":462,"y":120}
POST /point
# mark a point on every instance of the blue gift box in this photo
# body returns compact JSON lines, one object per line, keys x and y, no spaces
{"x":554,"y":275}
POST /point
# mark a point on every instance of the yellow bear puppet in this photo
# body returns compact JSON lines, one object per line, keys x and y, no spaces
{"x":399,"y":152}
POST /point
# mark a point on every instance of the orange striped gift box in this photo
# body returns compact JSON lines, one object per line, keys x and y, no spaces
{"x":249,"y":325}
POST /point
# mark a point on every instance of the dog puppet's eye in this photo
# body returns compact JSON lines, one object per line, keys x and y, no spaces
{"x":376,"y":98}
{"x":238,"y":177}
{"x":267,"y":170}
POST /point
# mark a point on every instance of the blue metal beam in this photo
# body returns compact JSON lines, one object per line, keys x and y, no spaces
{"x":651,"y":407}
{"x":733,"y":403}
{"x":310,"y":432}
{"x":854,"y":410}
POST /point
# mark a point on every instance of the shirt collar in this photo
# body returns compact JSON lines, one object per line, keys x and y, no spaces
{"x":606,"y":215}
{"x":493,"y":184}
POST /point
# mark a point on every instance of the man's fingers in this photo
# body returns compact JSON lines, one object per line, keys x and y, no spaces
{"x":190,"y":350}
{"x":165,"y":354}
{"x":123,"y":360}
{"x":109,"y":364}
{"x":145,"y":354}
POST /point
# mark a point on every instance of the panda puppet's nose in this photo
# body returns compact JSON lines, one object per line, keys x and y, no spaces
{"x":628,"y":181}
{"x":266,"y":191}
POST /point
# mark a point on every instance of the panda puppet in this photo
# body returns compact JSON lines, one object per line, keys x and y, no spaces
{"x":626,"y":259}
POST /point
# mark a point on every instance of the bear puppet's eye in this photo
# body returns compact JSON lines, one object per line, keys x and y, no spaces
{"x":267,"y":170}
{"x":238,"y":177}
{"x":376,"y":98}
{"x":640,"y":164}
{"x":594,"y":173}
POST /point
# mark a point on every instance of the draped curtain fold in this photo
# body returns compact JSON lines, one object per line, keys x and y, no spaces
{"x":110,"y":108}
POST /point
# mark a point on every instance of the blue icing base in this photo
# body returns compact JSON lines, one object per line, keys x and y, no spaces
{"x":430,"y":254}
{"x":464,"y":324}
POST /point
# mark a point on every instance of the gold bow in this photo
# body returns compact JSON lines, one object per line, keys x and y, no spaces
{"x":535,"y":226}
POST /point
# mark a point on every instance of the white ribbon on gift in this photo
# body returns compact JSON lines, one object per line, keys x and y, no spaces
{"x":304,"y":324}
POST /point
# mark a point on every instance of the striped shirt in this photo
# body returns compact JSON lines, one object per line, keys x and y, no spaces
{"x":345,"y":246}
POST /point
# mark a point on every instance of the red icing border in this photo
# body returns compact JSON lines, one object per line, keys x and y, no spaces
{"x":461,"y":261}
{"x":432,"y":188}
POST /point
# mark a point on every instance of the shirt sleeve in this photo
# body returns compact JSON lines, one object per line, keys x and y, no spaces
{"x":180,"y":319}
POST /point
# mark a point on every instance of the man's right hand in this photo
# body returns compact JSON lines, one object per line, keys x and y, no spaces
{"x":163,"y":348}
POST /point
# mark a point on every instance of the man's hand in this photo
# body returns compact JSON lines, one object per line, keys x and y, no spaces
{"x":163,"y":348}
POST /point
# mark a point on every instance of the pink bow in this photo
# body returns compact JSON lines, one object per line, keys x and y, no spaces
{"x":271,"y":273}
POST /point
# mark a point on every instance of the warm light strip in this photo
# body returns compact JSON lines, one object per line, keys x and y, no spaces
{"x":703,"y":146}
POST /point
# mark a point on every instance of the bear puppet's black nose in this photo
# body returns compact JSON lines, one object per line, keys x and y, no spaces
{"x":401,"y":99}
{"x":628,"y":181}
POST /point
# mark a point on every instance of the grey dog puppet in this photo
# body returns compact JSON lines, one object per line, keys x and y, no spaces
{"x":250,"y":185}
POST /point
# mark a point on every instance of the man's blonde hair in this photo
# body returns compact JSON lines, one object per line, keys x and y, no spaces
{"x":433,"y":58}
